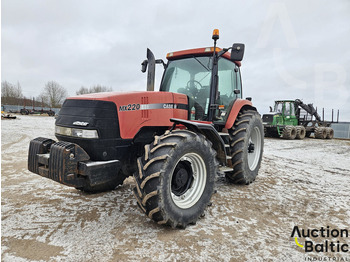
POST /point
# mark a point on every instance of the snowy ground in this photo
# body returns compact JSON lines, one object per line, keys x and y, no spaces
{"x":304,"y":183}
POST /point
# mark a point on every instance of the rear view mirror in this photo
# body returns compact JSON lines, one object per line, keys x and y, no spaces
{"x":237,"y":52}
{"x":144,"y":66}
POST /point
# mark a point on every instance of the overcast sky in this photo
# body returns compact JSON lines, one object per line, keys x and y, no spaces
{"x":294,"y":49}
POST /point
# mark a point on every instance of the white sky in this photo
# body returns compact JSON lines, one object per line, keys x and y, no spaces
{"x":294,"y":49}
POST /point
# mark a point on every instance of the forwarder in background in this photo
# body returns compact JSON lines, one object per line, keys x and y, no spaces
{"x":173,"y":142}
{"x":292,"y":119}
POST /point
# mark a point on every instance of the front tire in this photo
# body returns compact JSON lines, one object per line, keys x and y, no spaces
{"x":176,"y":178}
{"x":289,"y":132}
{"x":247,"y":142}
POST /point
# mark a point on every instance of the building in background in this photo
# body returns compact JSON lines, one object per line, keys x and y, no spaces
{"x":341,"y":130}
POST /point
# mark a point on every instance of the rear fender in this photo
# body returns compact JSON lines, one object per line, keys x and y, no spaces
{"x":209,"y":132}
{"x":237,"y":106}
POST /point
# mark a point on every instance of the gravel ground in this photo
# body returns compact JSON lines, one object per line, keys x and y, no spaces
{"x":303,"y":183}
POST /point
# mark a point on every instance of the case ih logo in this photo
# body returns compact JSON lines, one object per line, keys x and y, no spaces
{"x":78,"y":123}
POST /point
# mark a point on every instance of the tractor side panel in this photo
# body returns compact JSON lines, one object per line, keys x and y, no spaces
{"x":237,"y":106}
{"x":149,"y":109}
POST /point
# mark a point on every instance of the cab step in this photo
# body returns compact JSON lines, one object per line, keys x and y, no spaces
{"x":225,"y":169}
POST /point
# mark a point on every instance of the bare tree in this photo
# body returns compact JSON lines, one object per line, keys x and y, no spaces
{"x":42,"y":99}
{"x":11,"y":94}
{"x":93,"y":89}
{"x":99,"y":88}
{"x":54,"y":94}
{"x":82,"y":90}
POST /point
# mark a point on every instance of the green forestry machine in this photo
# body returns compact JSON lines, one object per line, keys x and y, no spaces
{"x":292,"y":119}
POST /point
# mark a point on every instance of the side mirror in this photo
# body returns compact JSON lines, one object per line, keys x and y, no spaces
{"x":237,"y":52}
{"x":270,"y":108}
{"x":144,"y":66}
{"x":237,"y":91}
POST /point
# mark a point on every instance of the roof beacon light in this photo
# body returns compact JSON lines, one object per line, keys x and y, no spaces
{"x":215,"y":34}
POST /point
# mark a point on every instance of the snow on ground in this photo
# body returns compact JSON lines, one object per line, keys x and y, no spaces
{"x":304,"y":183}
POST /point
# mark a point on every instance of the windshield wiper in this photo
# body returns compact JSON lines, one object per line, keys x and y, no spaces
{"x":201,"y":63}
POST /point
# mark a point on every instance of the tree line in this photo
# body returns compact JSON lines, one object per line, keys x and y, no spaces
{"x":52,"y":94}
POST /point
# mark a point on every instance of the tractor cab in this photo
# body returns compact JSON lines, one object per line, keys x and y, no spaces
{"x":209,"y":77}
{"x":190,"y":72}
{"x":283,"y":113}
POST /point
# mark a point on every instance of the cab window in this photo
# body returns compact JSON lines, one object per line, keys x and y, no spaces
{"x":229,"y":80}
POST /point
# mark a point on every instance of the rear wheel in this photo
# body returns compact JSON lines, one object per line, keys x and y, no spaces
{"x":320,"y":133}
{"x":247,"y":142}
{"x":176,"y":178}
{"x":289,"y":132}
{"x":330,"y":133}
{"x":301,"y":132}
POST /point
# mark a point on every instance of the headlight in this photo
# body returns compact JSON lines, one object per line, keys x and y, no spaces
{"x":76,"y":132}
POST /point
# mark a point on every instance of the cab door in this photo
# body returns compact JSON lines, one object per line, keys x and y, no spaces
{"x":229,"y":87}
{"x":289,"y":113}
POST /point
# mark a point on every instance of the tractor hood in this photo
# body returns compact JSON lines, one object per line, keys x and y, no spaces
{"x":134,"y":110}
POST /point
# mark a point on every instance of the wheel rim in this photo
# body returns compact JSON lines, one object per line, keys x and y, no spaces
{"x":188,"y":180}
{"x":254,"y":148}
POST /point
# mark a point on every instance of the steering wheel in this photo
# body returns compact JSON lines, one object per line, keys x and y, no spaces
{"x":194,"y":83}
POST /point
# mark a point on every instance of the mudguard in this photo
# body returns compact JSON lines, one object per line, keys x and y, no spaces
{"x":238,"y":104}
{"x":209,"y":132}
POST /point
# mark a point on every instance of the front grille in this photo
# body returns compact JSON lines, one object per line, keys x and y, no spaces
{"x":100,"y":115}
{"x":267,"y":118}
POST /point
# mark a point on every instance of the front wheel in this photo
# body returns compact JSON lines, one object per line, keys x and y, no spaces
{"x":289,"y":132}
{"x":247,"y":142}
{"x":176,"y":178}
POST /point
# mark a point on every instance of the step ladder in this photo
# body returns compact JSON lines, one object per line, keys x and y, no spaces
{"x":226,"y":138}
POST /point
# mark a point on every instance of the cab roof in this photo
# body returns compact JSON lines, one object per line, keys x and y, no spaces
{"x":204,"y":51}
{"x":284,"y":100}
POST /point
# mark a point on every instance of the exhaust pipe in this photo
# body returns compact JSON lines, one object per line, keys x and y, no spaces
{"x":151,"y":63}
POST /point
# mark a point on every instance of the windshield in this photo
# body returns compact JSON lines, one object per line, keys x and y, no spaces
{"x":192,"y":77}
{"x":187,"y":76}
{"x":278,"y":107}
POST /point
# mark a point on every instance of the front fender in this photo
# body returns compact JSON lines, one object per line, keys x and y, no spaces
{"x":209,"y":132}
{"x":235,"y":109}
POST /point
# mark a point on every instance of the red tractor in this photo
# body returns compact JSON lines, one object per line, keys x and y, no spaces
{"x":173,"y":142}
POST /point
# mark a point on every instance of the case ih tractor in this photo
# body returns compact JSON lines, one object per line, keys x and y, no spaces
{"x":292,"y":119}
{"x":173,"y":142}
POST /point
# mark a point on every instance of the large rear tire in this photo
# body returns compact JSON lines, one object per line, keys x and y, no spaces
{"x":301,"y":132}
{"x":247,"y":142}
{"x":320,"y":133}
{"x":176,"y":178}
{"x":330,"y":133}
